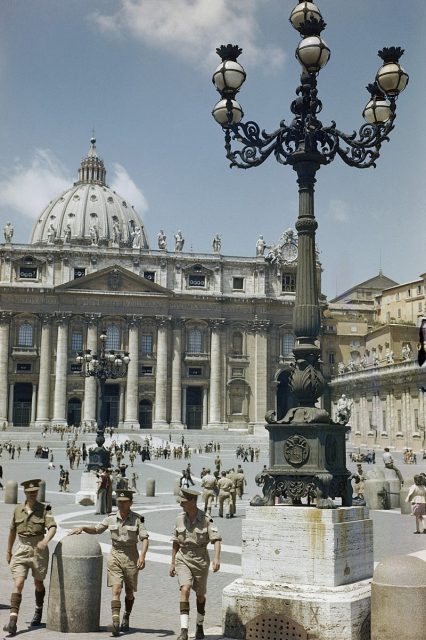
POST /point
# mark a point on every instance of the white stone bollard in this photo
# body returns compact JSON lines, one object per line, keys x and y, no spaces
{"x":394,"y":486}
{"x":11,"y":492}
{"x":41,"y":493}
{"x":398,"y":599}
{"x":75,"y":585}
{"x":376,"y":493}
{"x":150,"y":488}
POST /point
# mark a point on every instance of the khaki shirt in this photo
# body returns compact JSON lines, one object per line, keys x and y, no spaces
{"x":34,"y":523}
{"x":240,"y":479}
{"x":225,"y":486}
{"x":125,"y":534}
{"x":233,"y":478}
{"x":209,"y":482}
{"x":193,"y":538}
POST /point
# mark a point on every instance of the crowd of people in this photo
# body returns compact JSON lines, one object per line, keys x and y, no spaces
{"x":247,"y":454}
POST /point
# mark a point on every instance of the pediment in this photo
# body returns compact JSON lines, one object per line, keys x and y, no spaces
{"x":114,"y":279}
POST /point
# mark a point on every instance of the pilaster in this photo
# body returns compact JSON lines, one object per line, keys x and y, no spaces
{"x":5,"y":317}
{"x":60,"y":394}
{"x":215,"y":400}
{"x":132,"y":385}
{"x":176,"y":408}
{"x":43,"y":398}
{"x":160,"y":417}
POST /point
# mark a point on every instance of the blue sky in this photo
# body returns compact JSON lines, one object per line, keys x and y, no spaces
{"x":139,"y":73}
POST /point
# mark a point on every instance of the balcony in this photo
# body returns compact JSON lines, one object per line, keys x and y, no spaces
{"x":238,"y":359}
{"x":196,"y":357}
{"x":29,"y":353}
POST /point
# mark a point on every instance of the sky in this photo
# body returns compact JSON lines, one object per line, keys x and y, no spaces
{"x":138,"y":73}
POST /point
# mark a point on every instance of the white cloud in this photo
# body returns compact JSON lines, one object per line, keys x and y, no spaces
{"x":192,"y":29}
{"x":339,"y":210}
{"x":28,"y":189}
{"x":124,"y":185}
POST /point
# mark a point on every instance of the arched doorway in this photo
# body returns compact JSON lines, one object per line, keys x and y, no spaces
{"x":284,"y":395}
{"x":74,"y":412}
{"x":22,"y":396}
{"x":194,"y":407}
{"x":145,"y":414}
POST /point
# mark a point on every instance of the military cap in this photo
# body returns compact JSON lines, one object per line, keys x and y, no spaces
{"x":124,"y":495}
{"x":185,"y":495}
{"x":31,"y":485}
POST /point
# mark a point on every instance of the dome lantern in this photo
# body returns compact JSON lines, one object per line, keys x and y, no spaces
{"x":92,"y":169}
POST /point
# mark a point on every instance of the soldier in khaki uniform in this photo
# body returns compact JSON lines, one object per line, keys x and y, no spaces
{"x":209,"y":485}
{"x":124,"y":562}
{"x":190,"y":559}
{"x":241,"y":481}
{"x":35,"y":527}
{"x":225,"y":487}
{"x":233,"y":478}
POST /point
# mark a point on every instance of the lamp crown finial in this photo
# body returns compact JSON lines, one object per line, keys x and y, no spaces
{"x":229,"y":52}
{"x":390,"y":54}
{"x":311,"y":26}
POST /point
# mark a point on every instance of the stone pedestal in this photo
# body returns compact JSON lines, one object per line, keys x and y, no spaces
{"x":312,"y":566}
{"x":88,"y":489}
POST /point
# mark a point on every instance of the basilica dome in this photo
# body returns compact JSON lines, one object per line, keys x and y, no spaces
{"x":90,"y":213}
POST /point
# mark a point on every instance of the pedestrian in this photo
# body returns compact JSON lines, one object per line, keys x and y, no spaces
{"x":102,"y":490}
{"x":66,"y":480}
{"x":134,"y":479}
{"x":193,"y":531}
{"x":61,"y":477}
{"x":125,"y":561}
{"x":225,"y":487}
{"x":209,"y":485}
{"x":241,"y":481}
{"x":417,"y":496}
{"x":35,"y":526}
{"x":1,"y":476}
{"x":389,"y":464}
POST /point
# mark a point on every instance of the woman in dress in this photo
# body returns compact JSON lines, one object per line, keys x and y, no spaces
{"x":417,"y":497}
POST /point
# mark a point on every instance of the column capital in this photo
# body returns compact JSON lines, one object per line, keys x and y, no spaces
{"x":162,"y":321}
{"x":62,"y":318}
{"x":259,"y":326}
{"x":133,"y":321}
{"x":5,"y":317}
{"x":45,"y":318}
{"x":216,"y":324}
{"x":178,"y":323}
{"x":92,"y":319}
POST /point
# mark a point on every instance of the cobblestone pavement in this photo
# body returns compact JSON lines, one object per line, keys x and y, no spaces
{"x":156,"y":611}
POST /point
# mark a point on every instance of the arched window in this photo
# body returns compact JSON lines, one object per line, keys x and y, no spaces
{"x":237,"y":343}
{"x":195,"y":341}
{"x":287,"y":344}
{"x":25,"y":335}
{"x":113,"y":342}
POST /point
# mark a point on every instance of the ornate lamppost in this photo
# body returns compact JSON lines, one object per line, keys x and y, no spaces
{"x":106,"y":365}
{"x":307,"y":450}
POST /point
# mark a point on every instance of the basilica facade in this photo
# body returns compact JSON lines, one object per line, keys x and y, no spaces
{"x":209,"y":336}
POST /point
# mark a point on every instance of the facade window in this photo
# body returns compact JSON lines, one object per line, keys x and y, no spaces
{"x":409,"y":293}
{"x":147,"y":344}
{"x":419,"y":289}
{"x":146,"y":371}
{"x":397,"y":297}
{"x":237,"y":343}
{"x":399,"y":313}
{"x":238,"y":283}
{"x":149,"y":275}
{"x":287,"y":344}
{"x":76,"y":341}
{"x":288,"y":282}
{"x":195,"y":341}
{"x":196,"y":280}
{"x":25,"y":335}
{"x":237,"y":398}
{"x":331,"y":357}
{"x":113,"y":342}
{"x":195,"y":371}
{"x":28,"y":273}
{"x":79,"y":272}
{"x":24,"y":367}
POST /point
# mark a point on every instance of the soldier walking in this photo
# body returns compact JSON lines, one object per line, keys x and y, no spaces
{"x":35,"y":526}
{"x":209,"y":485}
{"x":190,"y":559}
{"x":225,"y":487}
{"x":241,"y":482}
{"x":124,"y":562}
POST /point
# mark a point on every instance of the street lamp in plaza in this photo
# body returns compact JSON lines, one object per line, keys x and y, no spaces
{"x":102,"y":366}
{"x":307,"y":450}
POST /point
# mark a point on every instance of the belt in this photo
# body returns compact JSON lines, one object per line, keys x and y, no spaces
{"x":31,"y":539}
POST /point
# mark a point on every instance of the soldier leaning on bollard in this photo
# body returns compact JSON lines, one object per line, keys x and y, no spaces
{"x":35,"y":526}
{"x":124,"y":561}
{"x":190,"y":558}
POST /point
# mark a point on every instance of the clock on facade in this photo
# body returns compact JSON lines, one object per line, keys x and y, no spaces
{"x":289,"y":251}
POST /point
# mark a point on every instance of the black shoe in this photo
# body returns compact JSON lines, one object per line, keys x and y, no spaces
{"x":228,"y":516}
{"x":183,"y":634}
{"x":125,"y":623}
{"x":10,"y":627}
{"x":36,"y":621}
{"x":115,"y":630}
{"x":199,"y":634}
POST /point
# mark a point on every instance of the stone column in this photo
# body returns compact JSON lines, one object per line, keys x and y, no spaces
{"x":90,"y":384}
{"x":132,"y":385}
{"x":44,"y":382}
{"x":410,"y":421}
{"x":184,"y":407}
{"x":11,"y":397}
{"x":60,"y":396}
{"x":215,"y":404}
{"x":205,"y":407}
{"x":4,"y":365}
{"x":260,"y":364}
{"x":176,"y":410}
{"x":33,"y":404}
{"x":160,"y":420}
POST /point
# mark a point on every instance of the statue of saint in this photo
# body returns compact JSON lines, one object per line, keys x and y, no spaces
{"x":8,"y":232}
{"x":343,"y":409}
{"x":51,"y":234}
{"x":116,"y":232}
{"x":217,"y":243}
{"x":341,"y":368}
{"x":136,"y":238}
{"x":162,"y":244}
{"x":179,"y":241}
{"x":389,"y":356}
{"x":406,"y":352}
{"x":94,"y":234}
{"x":67,"y":234}
{"x":260,"y":246}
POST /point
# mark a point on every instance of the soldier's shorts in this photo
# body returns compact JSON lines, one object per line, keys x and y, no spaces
{"x":192,"y":574}
{"x":122,"y":567}
{"x":27,"y":556}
